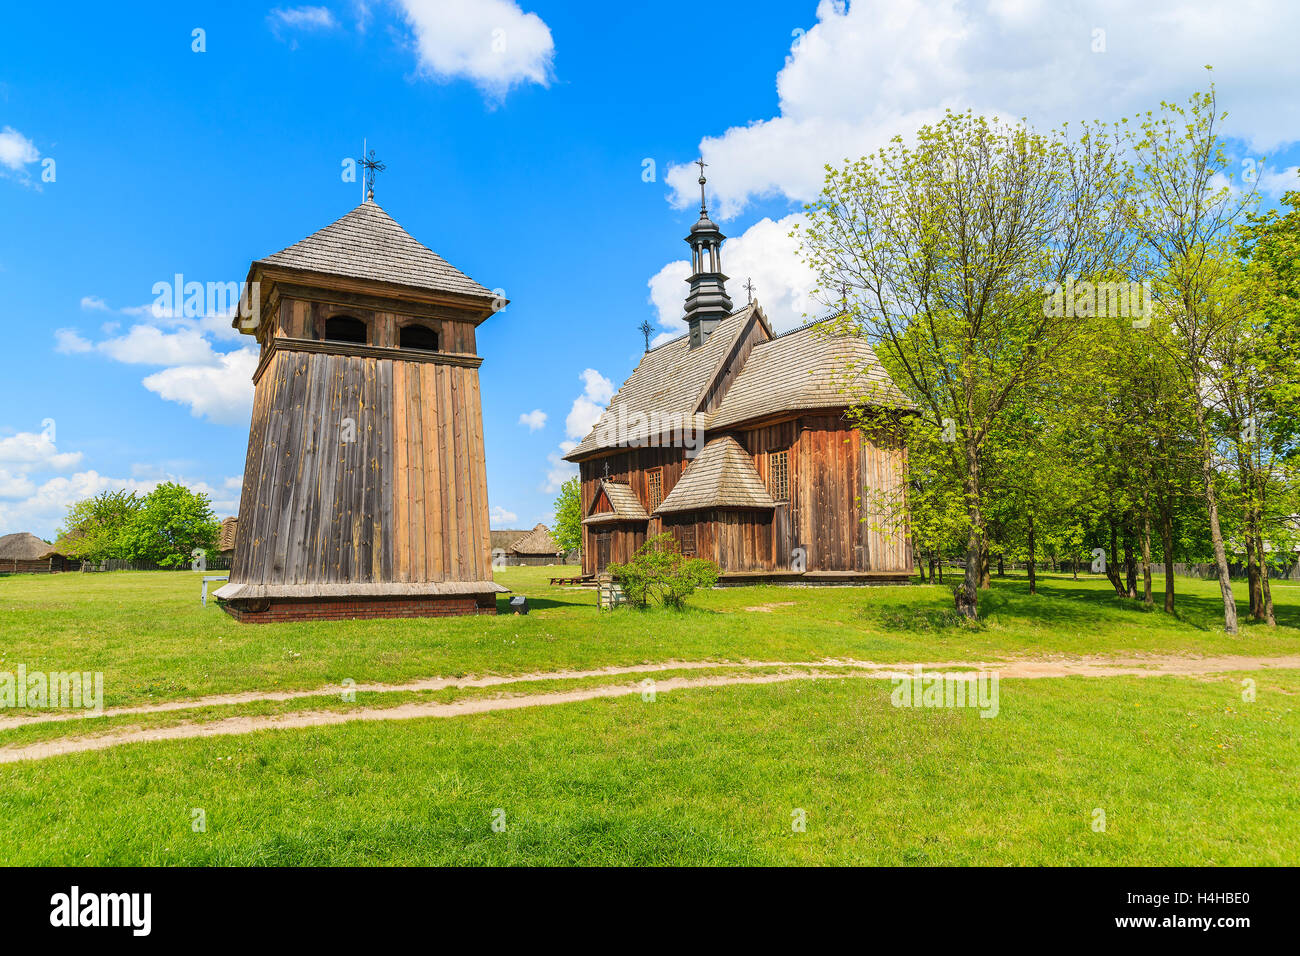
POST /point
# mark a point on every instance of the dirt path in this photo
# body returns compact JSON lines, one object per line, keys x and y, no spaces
{"x":245,"y":725}
{"x":1093,"y":666}
{"x":808,"y":670}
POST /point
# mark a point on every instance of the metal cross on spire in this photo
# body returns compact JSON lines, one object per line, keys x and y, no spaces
{"x":645,"y":328}
{"x":749,"y":290}
{"x":371,"y":166}
{"x":704,"y":212}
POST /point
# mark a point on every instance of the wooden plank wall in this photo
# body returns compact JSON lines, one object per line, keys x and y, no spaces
{"x":829,"y":463}
{"x":629,"y":467}
{"x":405,"y":502}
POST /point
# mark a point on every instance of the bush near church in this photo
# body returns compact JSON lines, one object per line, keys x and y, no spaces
{"x":658,"y":570}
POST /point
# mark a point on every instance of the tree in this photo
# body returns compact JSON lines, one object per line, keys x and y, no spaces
{"x":568,"y":516}
{"x":1182,"y":213}
{"x":942,"y":254}
{"x":171,"y":523}
{"x":95,"y":528}
{"x":658,"y":570}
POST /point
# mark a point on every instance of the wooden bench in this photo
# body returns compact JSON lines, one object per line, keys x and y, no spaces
{"x":563,"y":581}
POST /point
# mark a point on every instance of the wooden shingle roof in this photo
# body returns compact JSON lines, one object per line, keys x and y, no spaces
{"x":503,"y":538}
{"x":721,"y":476}
{"x":806,"y":369}
{"x":226,"y":540}
{"x":626,"y":505}
{"x":669,"y":380}
{"x":24,"y":546}
{"x":537,"y":541}
{"x":369,"y":244}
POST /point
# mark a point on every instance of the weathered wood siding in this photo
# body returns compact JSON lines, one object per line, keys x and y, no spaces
{"x":405,"y":502}
{"x":836,"y":477}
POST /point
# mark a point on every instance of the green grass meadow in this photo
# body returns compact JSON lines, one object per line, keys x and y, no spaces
{"x":1185,"y":770}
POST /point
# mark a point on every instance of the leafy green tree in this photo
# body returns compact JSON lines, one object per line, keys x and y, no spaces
{"x":172,"y":522}
{"x":942,"y":254}
{"x":568,"y":516}
{"x":95,"y":528}
{"x":1182,"y":213}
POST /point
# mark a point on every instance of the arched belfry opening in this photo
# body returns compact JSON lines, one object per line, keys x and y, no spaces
{"x":420,"y":338}
{"x":365,"y":485}
{"x":345,"y":328}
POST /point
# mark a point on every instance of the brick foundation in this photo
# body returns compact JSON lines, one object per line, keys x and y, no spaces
{"x":358,"y":608}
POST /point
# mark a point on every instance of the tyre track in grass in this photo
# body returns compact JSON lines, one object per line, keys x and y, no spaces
{"x":1091,"y":667}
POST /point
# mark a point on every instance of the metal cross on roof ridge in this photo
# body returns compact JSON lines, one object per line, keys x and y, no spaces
{"x":371,"y":166}
{"x":749,"y":289}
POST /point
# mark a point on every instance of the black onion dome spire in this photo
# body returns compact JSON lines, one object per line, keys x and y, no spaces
{"x":707,"y":302}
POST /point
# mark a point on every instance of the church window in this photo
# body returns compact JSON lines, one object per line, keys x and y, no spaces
{"x":778,"y":475}
{"x":655,"y":487}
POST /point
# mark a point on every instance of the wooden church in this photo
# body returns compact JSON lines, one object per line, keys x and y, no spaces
{"x":736,"y":441}
{"x":365,"y":490}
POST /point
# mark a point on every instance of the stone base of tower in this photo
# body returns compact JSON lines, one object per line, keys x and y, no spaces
{"x":256,"y":604}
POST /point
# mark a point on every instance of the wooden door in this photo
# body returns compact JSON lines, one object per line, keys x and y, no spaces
{"x":602,"y":550}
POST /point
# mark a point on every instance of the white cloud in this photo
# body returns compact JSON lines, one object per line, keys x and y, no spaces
{"x":867,"y":71}
{"x":559,"y":470}
{"x":500,"y":516}
{"x":301,"y":18}
{"x":16,"y":150}
{"x":42,"y":508}
{"x":15,"y":484}
{"x":765,"y":253}
{"x":222,"y":393}
{"x":535,"y":420}
{"x":94,"y":303}
{"x":1275,"y":184}
{"x":71,"y":342}
{"x":149,"y":345}
{"x":587,"y":407}
{"x":30,"y":451}
{"x":493,"y":43}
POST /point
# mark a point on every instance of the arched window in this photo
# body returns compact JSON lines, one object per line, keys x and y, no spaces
{"x":344,"y":328}
{"x":418,"y":337}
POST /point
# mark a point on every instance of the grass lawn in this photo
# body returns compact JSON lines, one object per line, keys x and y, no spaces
{"x":153,"y":641}
{"x":1183,"y":769}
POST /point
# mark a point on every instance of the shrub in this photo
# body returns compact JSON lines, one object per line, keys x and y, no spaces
{"x":659,"y":571}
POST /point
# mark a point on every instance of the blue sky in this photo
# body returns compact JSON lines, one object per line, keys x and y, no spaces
{"x":518,"y":138}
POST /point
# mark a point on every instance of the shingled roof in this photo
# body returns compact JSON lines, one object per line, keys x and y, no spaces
{"x":627,"y":507}
{"x":24,"y":546}
{"x":810,"y":367}
{"x":721,"y":476}
{"x":669,"y":380}
{"x":226,"y":540}
{"x":503,"y":538}
{"x":368,"y":243}
{"x":537,"y":541}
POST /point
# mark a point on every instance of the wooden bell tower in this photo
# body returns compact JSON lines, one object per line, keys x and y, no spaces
{"x":365,"y":489}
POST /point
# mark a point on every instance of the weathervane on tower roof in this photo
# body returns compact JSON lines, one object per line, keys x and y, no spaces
{"x":704,"y":211}
{"x":371,"y":166}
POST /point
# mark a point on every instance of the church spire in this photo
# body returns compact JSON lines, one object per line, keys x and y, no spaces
{"x":707,"y":303}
